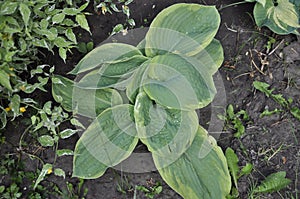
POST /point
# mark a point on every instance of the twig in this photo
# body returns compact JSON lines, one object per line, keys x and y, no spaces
{"x":276,"y":48}
{"x":232,"y":30}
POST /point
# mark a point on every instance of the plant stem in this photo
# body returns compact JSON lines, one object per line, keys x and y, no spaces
{"x":232,"y":4}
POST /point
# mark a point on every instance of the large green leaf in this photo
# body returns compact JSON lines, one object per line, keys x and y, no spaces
{"x":166,"y":132}
{"x":94,"y":80}
{"x":121,"y":68}
{"x":89,"y":103}
{"x":109,"y":140}
{"x":281,"y":18}
{"x":201,"y":172}
{"x":106,"y":53}
{"x":177,"y":82}
{"x":211,"y":58}
{"x":135,"y":83}
{"x":182,"y":28}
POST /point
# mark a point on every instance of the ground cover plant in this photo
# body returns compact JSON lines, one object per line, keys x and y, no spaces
{"x":260,"y":117}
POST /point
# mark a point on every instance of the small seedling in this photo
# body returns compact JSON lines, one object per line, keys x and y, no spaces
{"x":235,"y":171}
{"x":151,"y":191}
{"x":235,"y":120}
{"x":284,"y":103}
{"x":272,"y":183}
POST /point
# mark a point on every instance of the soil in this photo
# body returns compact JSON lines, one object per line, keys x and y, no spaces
{"x":270,"y":143}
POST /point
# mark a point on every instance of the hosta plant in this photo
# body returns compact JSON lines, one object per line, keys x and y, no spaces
{"x":149,"y":92}
{"x":281,"y":16}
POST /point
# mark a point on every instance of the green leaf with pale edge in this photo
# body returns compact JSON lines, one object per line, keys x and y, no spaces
{"x":182,"y":28}
{"x":273,"y":182}
{"x":166,"y":132}
{"x":94,"y":80}
{"x":70,"y":35}
{"x":25,"y":12}
{"x":176,"y":82}
{"x":43,"y":173}
{"x":90,"y":103}
{"x":67,"y":133}
{"x":86,"y":102}
{"x":121,"y":68}
{"x":232,"y":161}
{"x":46,"y":140}
{"x":58,"y":18}
{"x":135,"y":83}
{"x":211,"y":58}
{"x":64,"y":152}
{"x":4,"y":80}
{"x":59,"y":172}
{"x":201,"y":172}
{"x":8,"y":8}
{"x":281,"y":19}
{"x":109,"y":140}
{"x":83,"y":23}
{"x":106,"y":53}
{"x":62,"y":53}
{"x":62,"y":91}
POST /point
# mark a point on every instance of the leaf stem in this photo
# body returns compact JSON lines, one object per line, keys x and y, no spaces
{"x":232,"y":4}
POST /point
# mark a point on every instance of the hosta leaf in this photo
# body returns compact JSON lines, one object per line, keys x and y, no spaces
{"x":136,"y":82}
{"x":273,"y":182}
{"x":118,"y":69}
{"x":211,"y":58}
{"x":200,"y":172}
{"x":166,"y":132}
{"x":109,"y":140}
{"x":89,"y":103}
{"x":175,"y":81}
{"x":106,"y":53}
{"x":232,"y":161}
{"x":183,"y":28}
{"x":94,"y":80}
{"x":281,"y":19}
